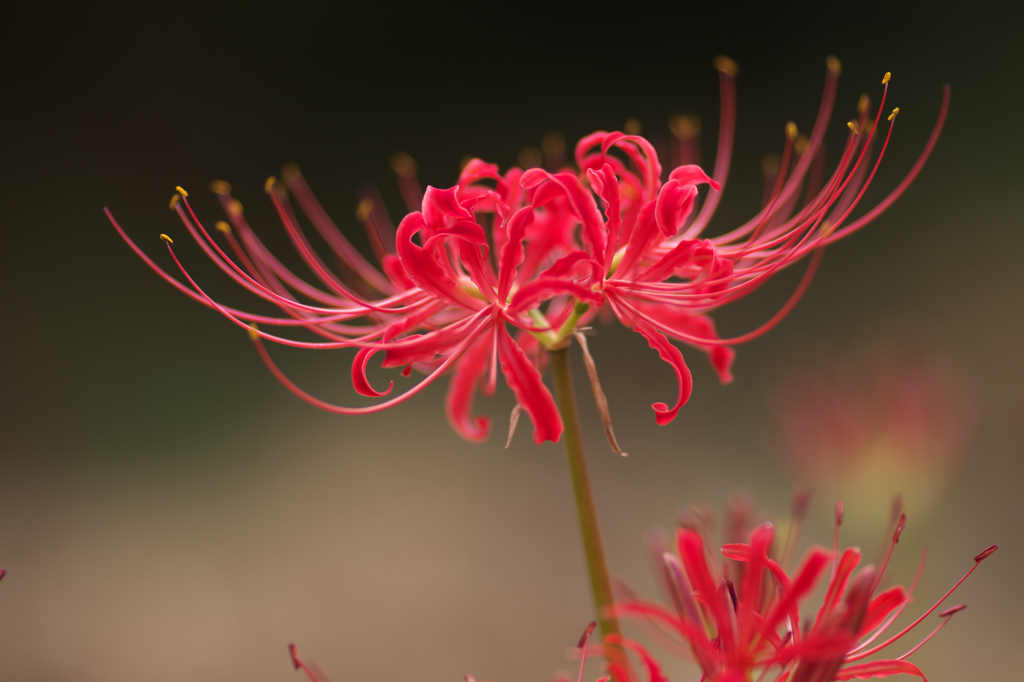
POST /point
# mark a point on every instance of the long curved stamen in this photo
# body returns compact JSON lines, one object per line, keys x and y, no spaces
{"x":828,"y":97}
{"x":909,"y":178}
{"x":727,"y":71}
{"x":370,"y":409}
{"x":794,"y":298}
{"x":946,"y":616}
{"x":243,"y":278}
{"x":330,"y":232}
{"x":900,"y":525}
{"x":977,"y":562}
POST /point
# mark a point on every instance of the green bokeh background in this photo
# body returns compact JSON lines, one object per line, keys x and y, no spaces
{"x":168,"y":511}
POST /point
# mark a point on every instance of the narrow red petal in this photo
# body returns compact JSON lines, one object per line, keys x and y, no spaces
{"x":524,"y":380}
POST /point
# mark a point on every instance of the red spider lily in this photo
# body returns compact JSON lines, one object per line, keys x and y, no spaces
{"x":533,"y":250}
{"x":739,"y":617}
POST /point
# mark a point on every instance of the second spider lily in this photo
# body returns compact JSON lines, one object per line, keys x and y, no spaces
{"x":739,"y":617}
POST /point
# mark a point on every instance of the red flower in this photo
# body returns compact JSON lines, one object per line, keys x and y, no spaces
{"x":533,"y":250}
{"x":896,"y":420}
{"x":740,"y":617}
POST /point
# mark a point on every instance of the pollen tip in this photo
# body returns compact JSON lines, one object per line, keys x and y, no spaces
{"x":364,"y":208}
{"x":586,"y":634}
{"x":632,"y":126}
{"x":181,"y":191}
{"x":174,"y":201}
{"x":852,"y":125}
{"x":223,"y":227}
{"x":290,"y":170}
{"x":220,"y":187}
{"x":726,"y":66}
{"x":529,"y":157}
{"x":952,"y":609}
{"x":268,"y":186}
{"x":254,"y":333}
{"x":835,"y":67}
{"x":235,"y":207}
{"x":886,"y":77}
{"x":839,"y":513}
{"x":166,"y":239}
{"x":293,"y":651}
{"x":986,"y":554}
{"x":403,"y":164}
{"x":900,"y":525}
{"x":684,"y":126}
{"x":863,"y":103}
{"x":800,"y":145}
{"x":894,"y":114}
{"x":791,"y":130}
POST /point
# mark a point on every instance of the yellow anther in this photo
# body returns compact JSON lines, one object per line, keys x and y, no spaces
{"x":223,"y":227}
{"x":833,"y":64}
{"x":791,"y":131}
{"x":289,"y":171}
{"x":174,"y":201}
{"x":166,"y":239}
{"x":181,"y":191}
{"x":863,"y":103}
{"x":364,"y":209}
{"x":852,"y":125}
{"x":220,"y":187}
{"x":632,"y":126}
{"x":726,"y":66}
{"x":403,"y":164}
{"x":800,"y":145}
{"x":530,"y":157}
{"x":685,"y":126}
{"x":235,"y":207}
{"x":770,"y":164}
{"x":894,"y":113}
{"x":886,"y":77}
{"x":553,"y":143}
{"x":254,"y":333}
{"x":268,"y":186}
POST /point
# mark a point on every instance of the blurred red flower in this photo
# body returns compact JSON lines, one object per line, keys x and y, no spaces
{"x":894,"y":422}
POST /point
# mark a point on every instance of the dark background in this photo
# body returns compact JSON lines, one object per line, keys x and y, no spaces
{"x":168,"y":511}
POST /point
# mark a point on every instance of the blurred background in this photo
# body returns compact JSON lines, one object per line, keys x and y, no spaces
{"x":168,"y":511}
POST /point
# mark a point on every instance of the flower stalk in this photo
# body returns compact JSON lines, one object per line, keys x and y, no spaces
{"x":590,"y":531}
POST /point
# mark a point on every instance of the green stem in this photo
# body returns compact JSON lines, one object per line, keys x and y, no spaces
{"x":593,"y":546}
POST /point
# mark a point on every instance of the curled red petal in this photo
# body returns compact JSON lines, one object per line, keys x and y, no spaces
{"x":524,"y":380}
{"x":512,"y":253}
{"x":462,"y":390}
{"x":422,"y":267}
{"x":684,"y":325}
{"x":671,"y":355}
{"x":643,"y":237}
{"x":423,"y":347}
{"x":439,"y":204}
{"x":581,"y":201}
{"x":606,"y":186}
{"x":359,"y":380}
{"x":692,"y":175}
{"x":675,"y":201}
{"x":543,"y":288}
